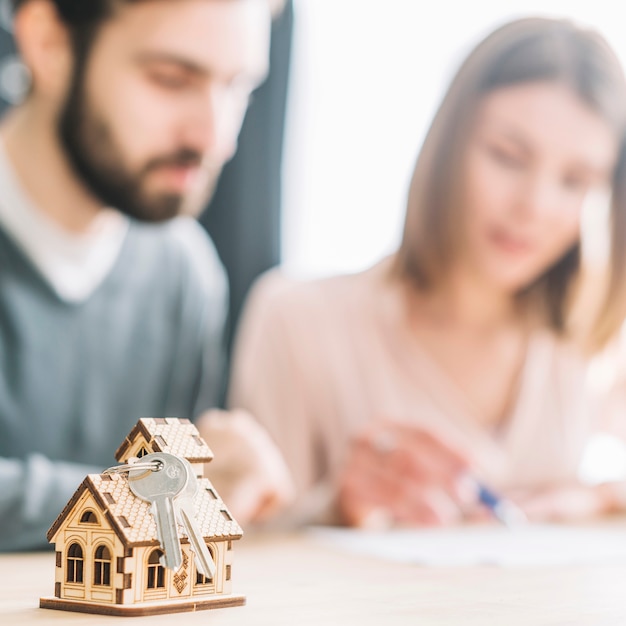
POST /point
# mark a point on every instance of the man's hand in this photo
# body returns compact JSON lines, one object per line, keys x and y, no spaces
{"x":398,"y":474}
{"x":248,"y":470}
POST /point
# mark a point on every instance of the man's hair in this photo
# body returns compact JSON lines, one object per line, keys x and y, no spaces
{"x":84,"y":18}
{"x":94,"y":11}
{"x":81,"y":11}
{"x":522,"y":51}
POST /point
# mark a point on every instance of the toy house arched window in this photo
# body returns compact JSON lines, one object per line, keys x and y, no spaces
{"x":88,"y":517}
{"x":205,"y":580}
{"x":102,"y":566}
{"x":156,"y":572}
{"x":75,"y":564}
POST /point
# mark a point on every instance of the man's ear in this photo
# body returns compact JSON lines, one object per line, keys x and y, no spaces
{"x":45,"y":47}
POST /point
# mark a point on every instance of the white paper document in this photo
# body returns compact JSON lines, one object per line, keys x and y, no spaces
{"x":484,"y":545}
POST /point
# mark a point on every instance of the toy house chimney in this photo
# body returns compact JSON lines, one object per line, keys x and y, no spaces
{"x":166,"y":434}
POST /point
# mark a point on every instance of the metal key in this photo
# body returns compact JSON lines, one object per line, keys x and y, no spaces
{"x":160,"y":487}
{"x":186,"y":515}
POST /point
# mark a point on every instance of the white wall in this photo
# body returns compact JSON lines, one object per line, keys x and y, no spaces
{"x":366,"y":78}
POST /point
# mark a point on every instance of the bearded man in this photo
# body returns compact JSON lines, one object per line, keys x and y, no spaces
{"x":112,"y":298}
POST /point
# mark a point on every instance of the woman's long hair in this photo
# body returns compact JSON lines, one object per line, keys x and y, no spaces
{"x":522,"y":51}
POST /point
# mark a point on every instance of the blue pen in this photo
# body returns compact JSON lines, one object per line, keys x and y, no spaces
{"x":502,"y":509}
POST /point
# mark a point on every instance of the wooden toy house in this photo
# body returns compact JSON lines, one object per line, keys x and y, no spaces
{"x":107,"y":552}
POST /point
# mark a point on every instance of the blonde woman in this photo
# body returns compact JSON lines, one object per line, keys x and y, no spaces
{"x":454,"y":357}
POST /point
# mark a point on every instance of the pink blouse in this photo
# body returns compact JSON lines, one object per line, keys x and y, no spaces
{"x":316,"y":361}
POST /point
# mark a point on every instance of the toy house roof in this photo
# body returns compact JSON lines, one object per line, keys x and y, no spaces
{"x":167,"y":434}
{"x":130,"y":516}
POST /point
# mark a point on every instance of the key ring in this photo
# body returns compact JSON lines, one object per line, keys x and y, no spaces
{"x":124,"y":468}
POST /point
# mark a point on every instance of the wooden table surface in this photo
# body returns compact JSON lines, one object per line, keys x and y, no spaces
{"x":292,"y":580}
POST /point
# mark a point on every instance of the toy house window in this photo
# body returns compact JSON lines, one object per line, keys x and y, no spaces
{"x":88,"y":517}
{"x":200,"y":578}
{"x":102,"y":566}
{"x":74,"y":564}
{"x":156,"y":572}
{"x":203,"y":580}
{"x":141,"y":452}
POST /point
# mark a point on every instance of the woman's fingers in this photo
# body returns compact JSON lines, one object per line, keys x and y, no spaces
{"x":402,"y":475}
{"x":568,"y":502}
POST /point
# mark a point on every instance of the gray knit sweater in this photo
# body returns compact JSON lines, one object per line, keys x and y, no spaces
{"x":75,"y":377}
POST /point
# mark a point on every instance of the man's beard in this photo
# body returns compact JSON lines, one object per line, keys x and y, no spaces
{"x":90,"y":147}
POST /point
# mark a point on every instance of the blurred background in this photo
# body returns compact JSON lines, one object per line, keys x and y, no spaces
{"x":319,"y":181}
{"x":320,"y":177}
{"x":366,"y":79}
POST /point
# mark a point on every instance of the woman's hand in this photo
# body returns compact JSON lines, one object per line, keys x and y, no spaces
{"x":570,"y":502}
{"x":248,"y":470}
{"x":398,"y":474}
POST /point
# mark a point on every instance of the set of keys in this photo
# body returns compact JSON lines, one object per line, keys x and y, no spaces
{"x":169,"y":484}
